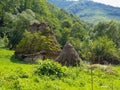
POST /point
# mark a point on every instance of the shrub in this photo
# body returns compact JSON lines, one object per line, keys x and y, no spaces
{"x":104,"y":49}
{"x":49,"y":67}
{"x":16,"y":85}
{"x":35,"y":42}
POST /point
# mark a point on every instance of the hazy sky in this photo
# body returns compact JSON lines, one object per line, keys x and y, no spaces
{"x":108,"y":2}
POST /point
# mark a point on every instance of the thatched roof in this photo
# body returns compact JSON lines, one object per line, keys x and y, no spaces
{"x":69,"y":56}
{"x":42,"y":43}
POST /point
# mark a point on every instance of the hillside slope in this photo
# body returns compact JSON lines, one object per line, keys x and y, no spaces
{"x":89,"y":11}
{"x":22,"y":14}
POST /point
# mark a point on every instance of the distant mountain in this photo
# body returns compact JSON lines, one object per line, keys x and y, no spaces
{"x":88,"y":10}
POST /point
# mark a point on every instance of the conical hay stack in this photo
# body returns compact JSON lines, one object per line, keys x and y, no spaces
{"x":69,"y":56}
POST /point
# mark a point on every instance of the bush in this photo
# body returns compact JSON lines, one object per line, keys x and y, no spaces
{"x":100,"y":50}
{"x":35,"y":42}
{"x":49,"y":67}
{"x":104,"y":49}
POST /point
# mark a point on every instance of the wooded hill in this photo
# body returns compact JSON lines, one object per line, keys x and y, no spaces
{"x":88,"y":10}
{"x":17,"y":15}
{"x":97,"y":44}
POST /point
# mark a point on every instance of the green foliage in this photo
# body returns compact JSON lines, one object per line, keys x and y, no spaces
{"x":35,"y":42}
{"x":111,"y":29}
{"x":5,"y":41}
{"x":1,"y":42}
{"x":22,"y":77}
{"x":20,"y":23}
{"x":78,"y":31}
{"x":49,"y":67}
{"x":65,"y":34}
{"x":67,"y":24}
{"x":17,"y":17}
{"x":99,"y":50}
{"x":104,"y":49}
{"x":98,"y":45}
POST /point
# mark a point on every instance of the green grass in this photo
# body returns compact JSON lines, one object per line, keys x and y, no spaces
{"x":17,"y":75}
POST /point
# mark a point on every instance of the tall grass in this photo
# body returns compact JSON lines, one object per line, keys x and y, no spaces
{"x":17,"y":75}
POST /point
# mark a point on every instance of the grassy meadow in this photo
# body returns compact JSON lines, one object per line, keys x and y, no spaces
{"x":17,"y":75}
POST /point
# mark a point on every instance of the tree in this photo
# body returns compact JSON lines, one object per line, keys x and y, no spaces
{"x":78,"y":31}
{"x":104,"y":49}
{"x":66,"y":24}
{"x":21,"y":23}
{"x":65,"y":34}
{"x":111,"y":29}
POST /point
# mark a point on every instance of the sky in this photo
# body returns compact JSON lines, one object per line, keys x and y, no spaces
{"x":115,"y":3}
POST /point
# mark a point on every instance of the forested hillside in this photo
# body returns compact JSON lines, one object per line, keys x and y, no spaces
{"x":16,"y":16}
{"x":102,"y":41}
{"x":89,"y":11}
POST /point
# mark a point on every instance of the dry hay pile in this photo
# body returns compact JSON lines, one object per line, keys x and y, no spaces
{"x":69,"y":56}
{"x":106,"y":68}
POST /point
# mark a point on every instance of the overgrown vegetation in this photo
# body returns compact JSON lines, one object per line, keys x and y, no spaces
{"x":49,"y":67}
{"x":18,"y":75}
{"x":95,"y":44}
{"x":34,"y":42}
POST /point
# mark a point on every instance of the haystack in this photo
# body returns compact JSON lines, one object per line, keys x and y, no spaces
{"x":69,"y":56}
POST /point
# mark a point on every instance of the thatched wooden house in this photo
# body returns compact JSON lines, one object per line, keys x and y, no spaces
{"x":39,"y":27}
{"x":30,"y":53}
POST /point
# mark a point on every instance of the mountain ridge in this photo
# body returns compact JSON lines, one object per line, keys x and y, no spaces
{"x":89,"y":11}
